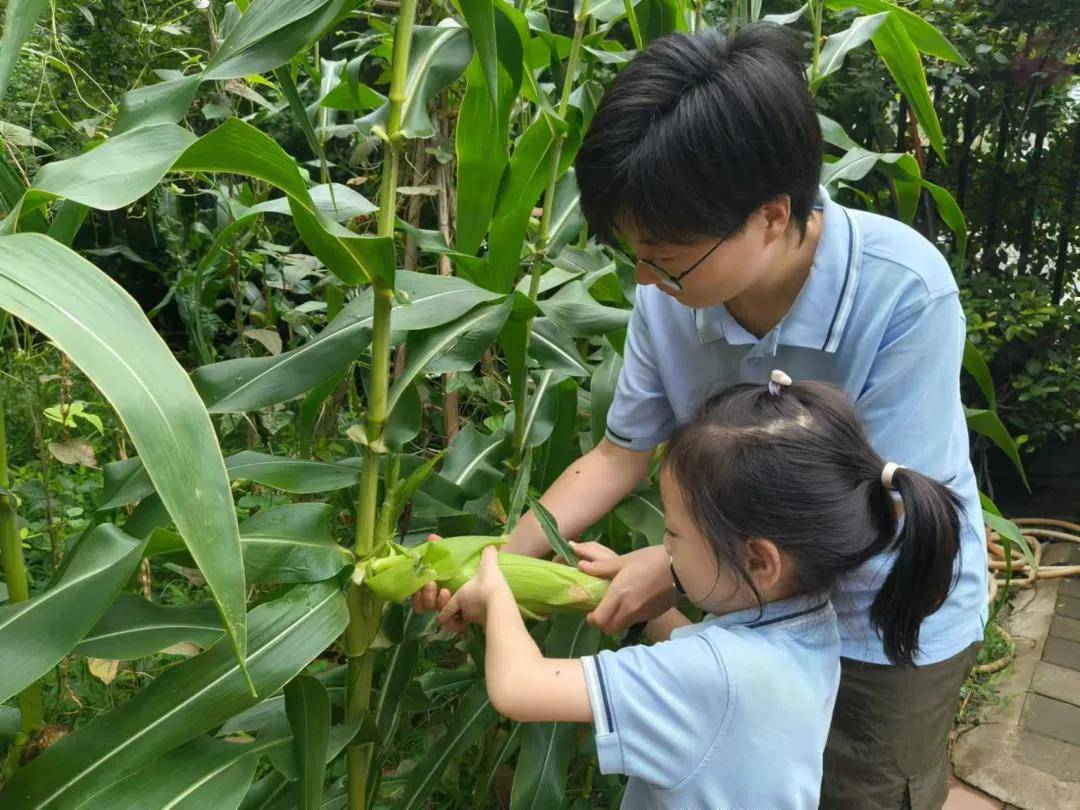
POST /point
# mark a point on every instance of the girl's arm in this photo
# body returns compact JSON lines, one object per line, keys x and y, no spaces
{"x":522,"y":684}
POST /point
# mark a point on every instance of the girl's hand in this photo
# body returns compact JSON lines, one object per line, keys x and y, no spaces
{"x":471,"y":602}
{"x":430,"y":598}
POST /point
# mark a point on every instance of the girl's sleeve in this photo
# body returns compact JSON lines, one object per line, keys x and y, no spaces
{"x":658,"y":710}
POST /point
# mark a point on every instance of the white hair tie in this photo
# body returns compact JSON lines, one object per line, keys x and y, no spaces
{"x":888,"y":471}
{"x":778,"y":381}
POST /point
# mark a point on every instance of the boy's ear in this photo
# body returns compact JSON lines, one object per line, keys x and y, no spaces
{"x":764,"y":562}
{"x":777,"y":216}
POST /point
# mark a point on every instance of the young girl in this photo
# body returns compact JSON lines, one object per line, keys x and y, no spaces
{"x":769,"y":495}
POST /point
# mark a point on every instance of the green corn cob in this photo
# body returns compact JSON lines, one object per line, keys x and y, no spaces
{"x":540,"y":587}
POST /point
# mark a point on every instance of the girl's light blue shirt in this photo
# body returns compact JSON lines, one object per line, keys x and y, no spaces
{"x":879,"y":316}
{"x":725,"y":714}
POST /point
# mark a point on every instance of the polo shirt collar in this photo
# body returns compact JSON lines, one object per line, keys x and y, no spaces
{"x":803,"y":608}
{"x":820,"y":312}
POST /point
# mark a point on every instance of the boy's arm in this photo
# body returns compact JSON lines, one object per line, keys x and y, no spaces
{"x":659,"y":629}
{"x":521,"y":683}
{"x":589,"y":488}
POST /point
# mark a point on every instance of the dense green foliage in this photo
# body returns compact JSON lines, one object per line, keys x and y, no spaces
{"x":283,"y":283}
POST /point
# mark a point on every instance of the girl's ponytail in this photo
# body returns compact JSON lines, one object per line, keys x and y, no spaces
{"x":927,"y":546}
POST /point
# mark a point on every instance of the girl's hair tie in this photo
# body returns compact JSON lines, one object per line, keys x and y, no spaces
{"x":778,"y":381}
{"x":887,"y":473}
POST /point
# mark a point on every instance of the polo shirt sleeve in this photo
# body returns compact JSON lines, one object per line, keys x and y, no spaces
{"x":658,"y":710}
{"x":910,"y":402}
{"x":640,"y":416}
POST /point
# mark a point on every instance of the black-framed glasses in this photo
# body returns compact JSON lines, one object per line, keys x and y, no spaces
{"x":674,"y":283}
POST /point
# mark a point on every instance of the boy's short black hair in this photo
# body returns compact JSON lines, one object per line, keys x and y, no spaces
{"x":697,"y":132}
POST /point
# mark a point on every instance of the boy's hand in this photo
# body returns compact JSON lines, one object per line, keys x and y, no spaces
{"x":641,"y":586}
{"x":592,"y":552}
{"x":470,"y":603}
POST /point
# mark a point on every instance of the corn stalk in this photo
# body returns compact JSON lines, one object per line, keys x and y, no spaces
{"x":365,"y":609}
{"x":18,"y":591}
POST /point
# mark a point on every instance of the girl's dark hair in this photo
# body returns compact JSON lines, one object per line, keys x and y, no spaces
{"x":796,"y":468}
{"x":699,"y":131}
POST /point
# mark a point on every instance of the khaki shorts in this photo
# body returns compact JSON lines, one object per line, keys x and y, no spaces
{"x":887,"y":746}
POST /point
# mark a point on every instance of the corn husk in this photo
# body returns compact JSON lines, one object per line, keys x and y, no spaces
{"x":540,"y":587}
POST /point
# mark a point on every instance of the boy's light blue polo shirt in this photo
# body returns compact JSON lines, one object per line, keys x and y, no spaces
{"x":879,"y":316}
{"x":730,"y":713}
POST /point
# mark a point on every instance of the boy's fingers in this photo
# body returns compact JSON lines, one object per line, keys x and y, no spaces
{"x":591,"y":551}
{"x":605,"y":568}
{"x":605,"y":614}
{"x":433,"y":538}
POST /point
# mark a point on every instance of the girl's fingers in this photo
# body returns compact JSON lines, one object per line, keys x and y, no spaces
{"x":449,"y":611}
{"x":424,"y":600}
{"x":443,"y":598}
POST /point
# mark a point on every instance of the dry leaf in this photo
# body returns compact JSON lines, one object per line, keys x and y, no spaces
{"x":270,"y":339}
{"x":184,"y":648}
{"x":194,"y":576}
{"x":103,"y":669}
{"x":74,"y":451}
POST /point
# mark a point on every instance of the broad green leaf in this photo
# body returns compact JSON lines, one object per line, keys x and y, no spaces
{"x":574,"y":312}
{"x":116,"y":173}
{"x":126,"y":481}
{"x":37,"y":633}
{"x":270,"y":33}
{"x":10,"y":723}
{"x":292,"y":543}
{"x":438,"y":55}
{"x":263,"y":717}
{"x":105,"y":333}
{"x":834,"y":133}
{"x":455,"y":346}
{"x":267,"y":792}
{"x":644,"y":513}
{"x":604,"y":381}
{"x":553,"y":350}
{"x":546,"y":748}
{"x":856,"y":163}
{"x":400,"y":664}
{"x":901,"y":57}
{"x":307,"y":706}
{"x":264,"y":38}
{"x":473,"y":717}
{"x":163,"y":103}
{"x":657,"y":18}
{"x":424,"y":301}
{"x":786,"y":19}
{"x":294,"y":475}
{"x":837,"y":45}
{"x":952,"y":216}
{"x":480,"y":18}
{"x":135,"y":627}
{"x":473,"y":460}
{"x":1010,"y":534}
{"x":975,"y":365}
{"x":988,"y":424}
{"x":357,"y":729}
{"x":481,"y":143}
{"x":185,"y":701}
{"x":567,"y":219}
{"x":19,"y":19}
{"x":560,"y":448}
{"x":555,"y":539}
{"x":299,"y":476}
{"x":926,"y":38}
{"x":522,"y":186}
{"x":204,"y":773}
{"x":240,"y":148}
{"x":540,"y":410}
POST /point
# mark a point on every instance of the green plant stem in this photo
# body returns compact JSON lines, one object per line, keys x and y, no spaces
{"x":632,"y":20}
{"x":816,"y":9}
{"x":365,"y":611}
{"x":519,"y":375}
{"x":15,"y":575}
